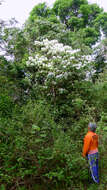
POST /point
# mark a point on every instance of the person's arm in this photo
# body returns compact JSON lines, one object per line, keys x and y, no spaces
{"x":97,"y":141}
{"x":86,"y":145}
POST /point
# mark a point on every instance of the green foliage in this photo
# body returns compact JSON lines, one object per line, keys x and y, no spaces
{"x":90,"y":35}
{"x":23,"y":142}
{"x":90,"y":13}
{"x":47,"y":98}
{"x":101,"y":91}
{"x":16,"y":44}
{"x":102,"y":19}
{"x":64,"y":20}
{"x":65,"y":9}
{"x":6,"y":105}
{"x":2,"y":187}
{"x":41,"y":10}
{"x":49,"y":28}
{"x":100,"y":58}
{"x":75,"y":23}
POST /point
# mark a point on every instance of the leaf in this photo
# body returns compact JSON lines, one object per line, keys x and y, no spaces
{"x":43,"y":135}
{"x":105,"y":128}
{"x":35,"y":127}
{"x":2,"y":187}
{"x":38,"y":140}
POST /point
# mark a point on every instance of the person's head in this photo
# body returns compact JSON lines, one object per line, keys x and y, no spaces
{"x":92,"y":127}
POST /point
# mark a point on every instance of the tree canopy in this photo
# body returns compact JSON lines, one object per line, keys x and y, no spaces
{"x":75,"y":15}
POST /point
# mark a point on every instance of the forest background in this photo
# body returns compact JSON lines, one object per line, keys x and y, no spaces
{"x":53,"y":82}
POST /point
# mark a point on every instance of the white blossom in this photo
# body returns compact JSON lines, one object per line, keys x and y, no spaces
{"x":56,"y":59}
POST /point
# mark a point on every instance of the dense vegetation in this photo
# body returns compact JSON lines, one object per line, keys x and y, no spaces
{"x":53,"y":82}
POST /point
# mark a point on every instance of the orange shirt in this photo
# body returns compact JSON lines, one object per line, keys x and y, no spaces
{"x":90,"y":143}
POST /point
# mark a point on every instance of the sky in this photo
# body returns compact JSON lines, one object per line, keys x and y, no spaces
{"x":20,"y":9}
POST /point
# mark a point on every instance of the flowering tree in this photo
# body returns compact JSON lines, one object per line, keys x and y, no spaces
{"x":57,"y":72}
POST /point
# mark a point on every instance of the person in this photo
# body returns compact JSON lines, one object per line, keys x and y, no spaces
{"x":90,"y":151}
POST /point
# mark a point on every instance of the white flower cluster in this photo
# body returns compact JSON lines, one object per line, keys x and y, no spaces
{"x":37,"y":59}
{"x":54,"y":61}
{"x":51,"y":53}
{"x":54,"y":47}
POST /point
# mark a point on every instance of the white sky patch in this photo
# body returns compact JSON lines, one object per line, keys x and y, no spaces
{"x":101,"y":3}
{"x":20,"y":9}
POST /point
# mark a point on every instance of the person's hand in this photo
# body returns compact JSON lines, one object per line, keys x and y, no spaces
{"x":84,"y":156}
